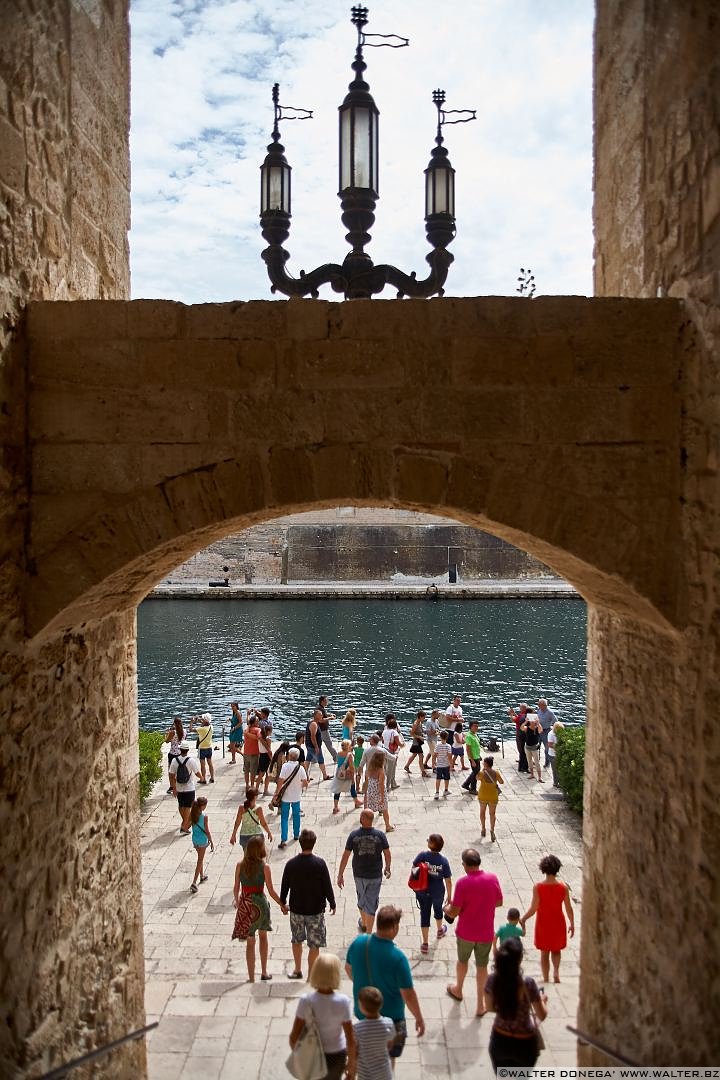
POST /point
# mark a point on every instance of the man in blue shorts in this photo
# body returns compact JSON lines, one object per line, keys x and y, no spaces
{"x":375,"y":960}
{"x":369,"y":847}
{"x":314,"y":749}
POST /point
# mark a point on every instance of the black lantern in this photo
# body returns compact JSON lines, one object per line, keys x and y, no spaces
{"x":275,"y":174}
{"x":359,"y":126}
{"x":358,"y":277}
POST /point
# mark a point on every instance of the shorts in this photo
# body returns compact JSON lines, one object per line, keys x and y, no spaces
{"x":480,"y":949}
{"x":171,"y":758}
{"x":205,"y":754}
{"x":458,"y":751}
{"x":416,"y":748}
{"x":185,"y":798}
{"x":368,"y":894}
{"x":244,"y":839}
{"x":442,"y":772}
{"x":310,"y":927}
{"x":251,"y":763}
{"x":314,"y":756}
{"x":400,"y":1039}
{"x":428,"y":902}
{"x":263,"y":763}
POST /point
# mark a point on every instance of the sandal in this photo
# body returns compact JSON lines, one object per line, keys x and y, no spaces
{"x":442,"y":932}
{"x":295,"y":975}
{"x":424,"y":948}
{"x":266,"y":978}
{"x":453,"y":993}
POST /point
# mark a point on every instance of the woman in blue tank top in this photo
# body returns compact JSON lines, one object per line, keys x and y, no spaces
{"x":201,"y":838}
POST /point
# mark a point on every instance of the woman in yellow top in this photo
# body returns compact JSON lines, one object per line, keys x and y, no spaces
{"x":488,"y":792}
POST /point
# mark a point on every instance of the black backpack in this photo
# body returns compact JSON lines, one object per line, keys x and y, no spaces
{"x":183,"y":773}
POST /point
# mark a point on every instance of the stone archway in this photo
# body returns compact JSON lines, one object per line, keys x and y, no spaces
{"x":155,"y":428}
{"x":152,"y":425}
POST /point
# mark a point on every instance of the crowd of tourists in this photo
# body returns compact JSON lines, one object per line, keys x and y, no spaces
{"x":365,"y":769}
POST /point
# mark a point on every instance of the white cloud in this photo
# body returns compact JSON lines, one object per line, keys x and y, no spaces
{"x":202,"y":115}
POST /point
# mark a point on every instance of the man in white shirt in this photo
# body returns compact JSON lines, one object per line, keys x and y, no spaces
{"x":453,"y":713}
{"x":293,"y":774}
{"x":184,"y":766}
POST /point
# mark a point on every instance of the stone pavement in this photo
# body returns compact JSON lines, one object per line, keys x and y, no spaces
{"x":214,"y":1024}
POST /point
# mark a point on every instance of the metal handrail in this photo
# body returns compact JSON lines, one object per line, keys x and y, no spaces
{"x":590,"y":1041}
{"x":101,"y":1052}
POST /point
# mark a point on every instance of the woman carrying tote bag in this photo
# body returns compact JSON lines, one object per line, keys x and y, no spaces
{"x":331,"y":1014}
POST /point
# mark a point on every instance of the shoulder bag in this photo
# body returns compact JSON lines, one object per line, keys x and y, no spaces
{"x":307,"y":1057}
{"x":277,"y":797}
{"x":536,"y":1023}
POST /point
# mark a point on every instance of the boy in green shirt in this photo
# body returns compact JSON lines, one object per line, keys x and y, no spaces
{"x":358,"y":751}
{"x":512,"y":928}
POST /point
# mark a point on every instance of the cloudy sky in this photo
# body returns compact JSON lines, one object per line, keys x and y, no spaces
{"x":202,"y":115}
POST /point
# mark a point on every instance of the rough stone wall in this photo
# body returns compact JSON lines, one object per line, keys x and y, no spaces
{"x":657,"y":221}
{"x":71,"y":976}
{"x":376,"y":553}
{"x":585,"y":478}
{"x":327,"y":549}
{"x":70,"y":951}
{"x":64,"y":164}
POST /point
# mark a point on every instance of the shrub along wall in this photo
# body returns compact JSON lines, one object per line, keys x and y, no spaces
{"x":571,"y":764}
{"x":150,"y":768}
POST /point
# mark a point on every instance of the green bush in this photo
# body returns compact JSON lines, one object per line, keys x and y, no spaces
{"x":571,"y":764}
{"x":150,"y":769}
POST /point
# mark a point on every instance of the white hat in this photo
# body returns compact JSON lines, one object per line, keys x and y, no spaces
{"x":184,"y":745}
{"x":206,"y":717}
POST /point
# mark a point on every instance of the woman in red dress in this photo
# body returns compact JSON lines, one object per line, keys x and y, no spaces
{"x":548,"y":900}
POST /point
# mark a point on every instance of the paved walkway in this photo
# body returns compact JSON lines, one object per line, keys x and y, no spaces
{"x":213,"y":1024}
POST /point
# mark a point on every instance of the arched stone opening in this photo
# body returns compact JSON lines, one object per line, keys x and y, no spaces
{"x":94,"y":643}
{"x":139,"y":456}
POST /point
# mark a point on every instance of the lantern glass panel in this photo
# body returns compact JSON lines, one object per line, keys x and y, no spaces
{"x":275,"y":195}
{"x":275,"y":185}
{"x":361,"y":164}
{"x":345,"y":149}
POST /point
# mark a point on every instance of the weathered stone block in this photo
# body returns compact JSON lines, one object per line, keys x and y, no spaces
{"x":12,"y":157}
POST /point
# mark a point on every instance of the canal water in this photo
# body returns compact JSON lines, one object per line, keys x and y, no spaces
{"x":376,"y":655}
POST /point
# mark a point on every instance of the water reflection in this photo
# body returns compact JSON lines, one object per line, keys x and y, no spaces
{"x":196,"y":655}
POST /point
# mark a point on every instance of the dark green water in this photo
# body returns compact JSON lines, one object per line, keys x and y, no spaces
{"x":375,"y":655}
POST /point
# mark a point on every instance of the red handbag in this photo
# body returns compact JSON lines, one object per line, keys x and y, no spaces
{"x":419,"y":879}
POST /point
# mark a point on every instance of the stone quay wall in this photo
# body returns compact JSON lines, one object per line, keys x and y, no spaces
{"x":297,"y":551}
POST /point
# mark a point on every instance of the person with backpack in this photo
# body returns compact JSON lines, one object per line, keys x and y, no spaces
{"x":185,"y":769}
{"x":201,"y":837}
{"x":439,"y":888}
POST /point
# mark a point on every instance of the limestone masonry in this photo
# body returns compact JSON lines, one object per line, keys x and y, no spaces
{"x":588,"y":434}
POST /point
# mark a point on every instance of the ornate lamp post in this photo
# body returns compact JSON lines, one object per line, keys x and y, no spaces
{"x":358,"y":277}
